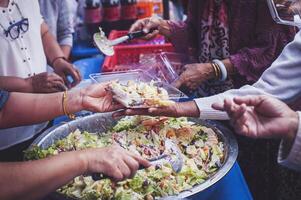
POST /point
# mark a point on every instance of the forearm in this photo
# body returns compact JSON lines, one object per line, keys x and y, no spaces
{"x":40,"y":108}
{"x":15,"y":84}
{"x":35,"y":179}
{"x":51,"y":47}
{"x":66,"y":50}
{"x":187,"y":109}
{"x":184,"y":34}
{"x":273,"y":82}
{"x":205,"y":104}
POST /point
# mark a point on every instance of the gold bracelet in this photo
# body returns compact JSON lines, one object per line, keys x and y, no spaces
{"x":215,"y":70}
{"x":64,"y":103}
{"x":218,"y":69}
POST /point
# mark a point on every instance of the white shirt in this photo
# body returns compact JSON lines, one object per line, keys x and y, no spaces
{"x":22,"y":58}
{"x":283,"y":81}
{"x":59,"y":16}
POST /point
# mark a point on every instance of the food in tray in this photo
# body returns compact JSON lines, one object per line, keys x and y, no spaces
{"x":202,"y":151}
{"x":140,"y":94}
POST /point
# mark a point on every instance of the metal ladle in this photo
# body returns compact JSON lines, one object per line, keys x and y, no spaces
{"x":105,"y":45}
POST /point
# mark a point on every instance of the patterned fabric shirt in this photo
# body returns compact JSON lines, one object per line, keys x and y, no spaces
{"x":255,"y":40}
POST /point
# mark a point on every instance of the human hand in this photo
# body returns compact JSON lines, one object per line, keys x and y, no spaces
{"x":194,"y":75}
{"x":97,"y":98}
{"x":46,"y":83}
{"x":158,"y":25}
{"x":167,"y":111}
{"x":113,"y":161}
{"x":261,"y":117}
{"x":63,"y":69}
{"x":187,"y":109}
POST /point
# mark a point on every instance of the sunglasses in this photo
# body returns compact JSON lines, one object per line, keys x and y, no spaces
{"x":14,"y":30}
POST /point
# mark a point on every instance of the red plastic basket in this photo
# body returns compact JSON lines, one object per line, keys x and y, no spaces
{"x":129,"y":53}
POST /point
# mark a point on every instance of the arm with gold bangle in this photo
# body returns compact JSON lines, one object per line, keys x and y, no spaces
{"x":229,"y":66}
{"x":222,"y":68}
{"x":44,"y":107}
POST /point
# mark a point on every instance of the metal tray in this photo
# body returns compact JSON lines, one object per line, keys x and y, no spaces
{"x":99,"y":123}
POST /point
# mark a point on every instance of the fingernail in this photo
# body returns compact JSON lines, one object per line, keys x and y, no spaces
{"x":145,"y":30}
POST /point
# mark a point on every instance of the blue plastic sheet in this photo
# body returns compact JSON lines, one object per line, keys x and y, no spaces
{"x":84,"y":50}
{"x":89,"y":66}
{"x":232,"y":187}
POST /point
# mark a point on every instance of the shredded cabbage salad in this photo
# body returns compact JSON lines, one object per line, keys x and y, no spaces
{"x":202,"y":150}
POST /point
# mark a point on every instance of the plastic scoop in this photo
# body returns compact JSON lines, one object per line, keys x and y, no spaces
{"x":172,"y":155}
{"x":105,"y":45}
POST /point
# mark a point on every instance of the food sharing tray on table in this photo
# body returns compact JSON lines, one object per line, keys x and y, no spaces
{"x":209,"y":143}
{"x":138,"y":89}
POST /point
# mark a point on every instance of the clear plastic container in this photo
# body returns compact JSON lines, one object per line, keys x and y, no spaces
{"x":165,"y":66}
{"x":123,"y":76}
{"x":139,"y":76}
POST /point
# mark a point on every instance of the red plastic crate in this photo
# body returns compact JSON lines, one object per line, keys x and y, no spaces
{"x":130,"y":52}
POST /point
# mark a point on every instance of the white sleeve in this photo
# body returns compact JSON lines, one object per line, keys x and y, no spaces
{"x":289,"y":155}
{"x":282,"y":80}
{"x":65,"y":25}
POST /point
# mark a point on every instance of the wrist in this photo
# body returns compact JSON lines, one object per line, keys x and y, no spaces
{"x":28,"y":85}
{"x":92,"y":160}
{"x":83,"y":98}
{"x":83,"y":161}
{"x":187,"y":109}
{"x":229,"y":66}
{"x":58,"y":61}
{"x":74,"y":101}
{"x":211,"y":73}
{"x":293,"y":127}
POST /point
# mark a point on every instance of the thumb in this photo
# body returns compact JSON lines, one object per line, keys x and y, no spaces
{"x":218,"y":106}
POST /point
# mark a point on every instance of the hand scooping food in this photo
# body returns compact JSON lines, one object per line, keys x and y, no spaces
{"x":171,"y":155}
